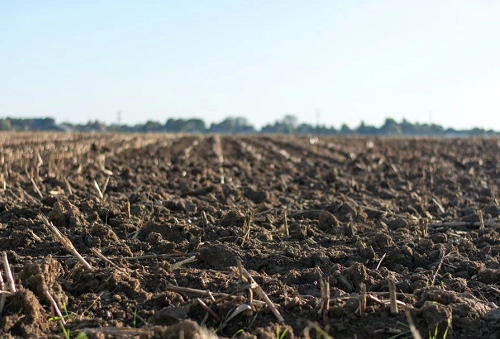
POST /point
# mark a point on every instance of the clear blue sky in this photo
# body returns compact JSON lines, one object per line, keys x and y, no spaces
{"x":354,"y":60}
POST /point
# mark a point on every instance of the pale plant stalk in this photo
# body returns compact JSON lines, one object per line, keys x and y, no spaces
{"x":98,"y":189}
{"x":57,"y":311}
{"x":413,"y":329}
{"x":35,"y":186}
{"x":8,"y":273}
{"x":3,"y":297}
{"x":103,"y":258}
{"x":325,"y":298}
{"x":67,"y":244}
{"x":179,"y":264}
{"x":481,"y":219}
{"x":105,"y":184}
{"x":68,"y":186}
{"x":380,"y":262}
{"x":127,"y":209}
{"x":392,"y":296}
{"x":259,"y":291}
{"x":362,"y":300}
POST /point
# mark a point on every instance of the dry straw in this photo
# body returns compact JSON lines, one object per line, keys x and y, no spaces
{"x":67,"y":244}
{"x":258,"y":290}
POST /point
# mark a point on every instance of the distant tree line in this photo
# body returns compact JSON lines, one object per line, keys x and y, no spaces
{"x":239,"y":125}
{"x":37,"y":124}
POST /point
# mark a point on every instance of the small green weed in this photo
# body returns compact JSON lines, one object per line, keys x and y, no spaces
{"x":282,"y":334}
{"x":134,"y":321}
{"x":320,"y":333}
{"x":237,"y":333}
{"x":66,"y":314}
{"x":404,"y":334}
{"x":66,"y":332}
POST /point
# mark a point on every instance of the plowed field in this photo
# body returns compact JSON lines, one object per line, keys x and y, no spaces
{"x":249,"y":236}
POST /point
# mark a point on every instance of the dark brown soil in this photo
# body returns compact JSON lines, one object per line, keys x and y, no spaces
{"x":295,"y":211}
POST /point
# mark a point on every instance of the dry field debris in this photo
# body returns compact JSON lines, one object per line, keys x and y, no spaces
{"x":183,"y":236}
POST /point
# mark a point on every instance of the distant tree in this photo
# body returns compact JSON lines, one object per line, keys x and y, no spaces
{"x":344,"y":129}
{"x":287,"y":125}
{"x":174,"y":125}
{"x":232,"y":125}
{"x":5,"y":125}
{"x":436,"y":129}
{"x":194,"y":126}
{"x":407,"y":128}
{"x":151,"y":126}
{"x":225,"y":126}
{"x":391,"y":127}
{"x":43,"y":124}
{"x":306,"y":129}
{"x":477,"y":132}
{"x":364,"y":129}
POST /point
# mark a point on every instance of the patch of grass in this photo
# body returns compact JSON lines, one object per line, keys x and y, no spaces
{"x":66,"y":313}
{"x":66,"y":332}
{"x":436,"y":330}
